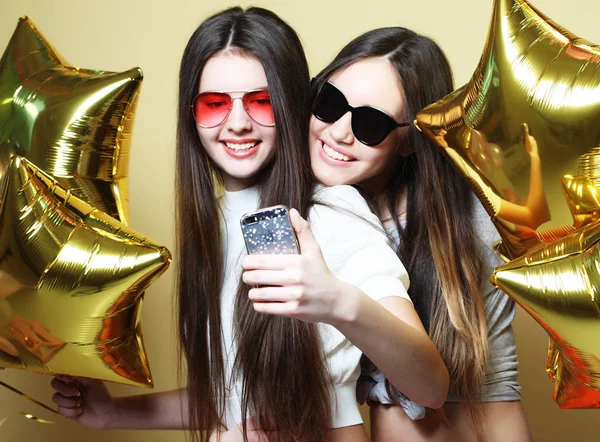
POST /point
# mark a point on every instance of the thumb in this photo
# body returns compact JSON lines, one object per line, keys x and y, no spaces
{"x":306,"y":239}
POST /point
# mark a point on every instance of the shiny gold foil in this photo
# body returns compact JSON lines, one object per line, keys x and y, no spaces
{"x":559,"y":286}
{"x":524,"y":132}
{"x":75,"y":124}
{"x":29,"y":398}
{"x":71,"y":283}
{"x":532,"y":72}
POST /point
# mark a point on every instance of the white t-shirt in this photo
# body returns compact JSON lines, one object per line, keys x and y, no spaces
{"x":356,"y":251}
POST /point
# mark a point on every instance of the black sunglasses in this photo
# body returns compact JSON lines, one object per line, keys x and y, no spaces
{"x":370,"y":125}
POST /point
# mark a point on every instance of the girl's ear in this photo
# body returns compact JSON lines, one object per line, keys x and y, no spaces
{"x":404,"y":147}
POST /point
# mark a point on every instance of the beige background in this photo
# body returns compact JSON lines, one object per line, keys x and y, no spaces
{"x":117,"y":35}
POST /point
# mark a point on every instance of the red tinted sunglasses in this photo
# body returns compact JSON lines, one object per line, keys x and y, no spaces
{"x":211,"y":109}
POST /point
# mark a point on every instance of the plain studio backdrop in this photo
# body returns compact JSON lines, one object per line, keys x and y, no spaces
{"x":117,"y":35}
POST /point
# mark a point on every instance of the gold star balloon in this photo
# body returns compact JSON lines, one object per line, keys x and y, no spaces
{"x":559,"y":286}
{"x":73,"y":123}
{"x":531,"y":109}
{"x":71,"y":282}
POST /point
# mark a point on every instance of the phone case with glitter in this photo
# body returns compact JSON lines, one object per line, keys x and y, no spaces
{"x":269,"y":231}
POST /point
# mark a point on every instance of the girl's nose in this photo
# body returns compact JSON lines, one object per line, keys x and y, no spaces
{"x":341,"y":130}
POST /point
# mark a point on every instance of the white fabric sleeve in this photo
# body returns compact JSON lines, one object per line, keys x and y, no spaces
{"x":354,"y":244}
{"x":356,"y":251}
{"x":343,"y":359}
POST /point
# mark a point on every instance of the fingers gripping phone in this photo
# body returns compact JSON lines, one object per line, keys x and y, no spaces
{"x":269,"y":231}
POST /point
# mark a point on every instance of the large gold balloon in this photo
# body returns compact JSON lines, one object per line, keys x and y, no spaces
{"x":524,"y":132}
{"x":559,"y":285}
{"x":71,"y":282}
{"x":73,"y":123}
{"x":532,"y":72}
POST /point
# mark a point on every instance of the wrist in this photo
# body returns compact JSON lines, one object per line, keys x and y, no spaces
{"x":346,"y":306}
{"x":122,"y":413}
{"x":114,"y":411}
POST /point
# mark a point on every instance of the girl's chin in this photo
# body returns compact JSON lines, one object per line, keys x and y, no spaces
{"x":329,"y":180}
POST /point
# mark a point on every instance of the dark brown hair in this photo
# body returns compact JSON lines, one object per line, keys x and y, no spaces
{"x":438,"y":245}
{"x":285,"y":383}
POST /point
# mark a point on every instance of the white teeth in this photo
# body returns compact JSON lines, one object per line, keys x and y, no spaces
{"x":334,"y":154}
{"x":240,"y":146}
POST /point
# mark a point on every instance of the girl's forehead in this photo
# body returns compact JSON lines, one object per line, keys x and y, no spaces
{"x":232,"y":71}
{"x":372,"y":82}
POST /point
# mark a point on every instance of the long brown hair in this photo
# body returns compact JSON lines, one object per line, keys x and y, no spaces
{"x":438,"y":245}
{"x":285,"y":383}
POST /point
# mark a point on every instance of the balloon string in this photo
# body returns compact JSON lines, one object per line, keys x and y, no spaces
{"x":27,"y":415}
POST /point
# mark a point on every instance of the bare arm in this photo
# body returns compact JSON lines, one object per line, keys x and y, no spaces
{"x":391,"y":335}
{"x":156,"y":411}
{"x":88,"y":402}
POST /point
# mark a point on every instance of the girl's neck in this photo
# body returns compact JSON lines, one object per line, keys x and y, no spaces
{"x":233,"y":184}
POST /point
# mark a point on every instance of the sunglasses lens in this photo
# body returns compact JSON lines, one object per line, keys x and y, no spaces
{"x":211,"y":109}
{"x":258,"y":106}
{"x":370,"y":126}
{"x":330,"y":105}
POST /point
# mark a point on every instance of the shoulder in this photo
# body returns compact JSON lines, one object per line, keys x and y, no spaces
{"x":355,"y":245}
{"x":482,"y":224}
{"x":342,"y":202}
{"x":486,"y":234}
{"x":340,"y":193}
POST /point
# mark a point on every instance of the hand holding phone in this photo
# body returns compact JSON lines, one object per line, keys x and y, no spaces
{"x":296,"y":286}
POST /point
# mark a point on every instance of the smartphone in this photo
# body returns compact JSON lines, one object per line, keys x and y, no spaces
{"x":269,"y":231}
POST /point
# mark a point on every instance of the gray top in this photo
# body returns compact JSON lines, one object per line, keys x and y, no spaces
{"x":500,"y":378}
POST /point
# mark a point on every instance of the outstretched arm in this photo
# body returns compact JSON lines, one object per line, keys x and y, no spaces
{"x":88,"y":402}
{"x":391,"y":335}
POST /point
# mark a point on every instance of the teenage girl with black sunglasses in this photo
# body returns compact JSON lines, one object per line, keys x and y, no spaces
{"x":361,"y":133}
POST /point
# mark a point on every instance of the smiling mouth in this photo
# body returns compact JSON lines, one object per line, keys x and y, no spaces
{"x":240,"y":147}
{"x":334,"y":154}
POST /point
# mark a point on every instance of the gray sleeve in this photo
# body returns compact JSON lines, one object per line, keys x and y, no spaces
{"x":500,"y":379}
